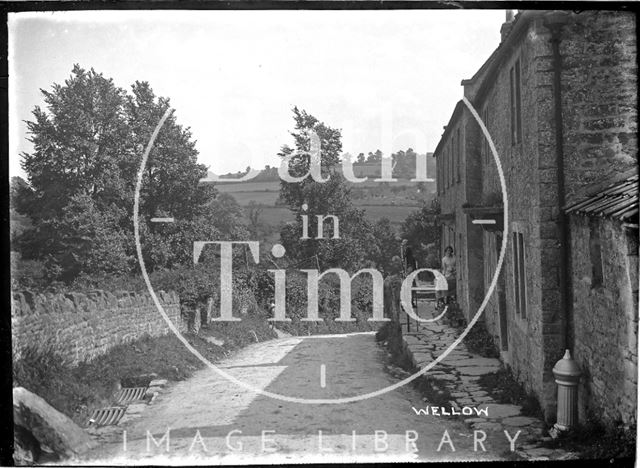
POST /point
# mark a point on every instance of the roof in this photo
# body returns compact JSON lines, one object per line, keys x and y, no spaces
{"x":618,"y":201}
{"x":520,"y":25}
{"x":454,"y":117}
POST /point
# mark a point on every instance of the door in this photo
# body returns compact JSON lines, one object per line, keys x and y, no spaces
{"x":502,"y":300}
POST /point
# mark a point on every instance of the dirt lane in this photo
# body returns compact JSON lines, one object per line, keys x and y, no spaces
{"x":211,"y":420}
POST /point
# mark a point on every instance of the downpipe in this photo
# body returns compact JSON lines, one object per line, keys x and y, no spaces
{"x":566,"y":371}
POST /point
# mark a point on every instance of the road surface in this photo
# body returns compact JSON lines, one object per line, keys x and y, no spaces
{"x":209,"y":420}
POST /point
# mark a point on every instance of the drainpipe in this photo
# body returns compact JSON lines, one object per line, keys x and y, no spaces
{"x":563,"y":227}
{"x":566,"y":371}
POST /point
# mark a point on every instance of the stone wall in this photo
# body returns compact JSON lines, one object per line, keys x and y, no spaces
{"x":81,"y":327}
{"x":599,"y":98}
{"x":605,"y":324}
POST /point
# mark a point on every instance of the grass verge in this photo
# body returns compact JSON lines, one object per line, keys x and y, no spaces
{"x":77,"y":391}
{"x":435,"y":392}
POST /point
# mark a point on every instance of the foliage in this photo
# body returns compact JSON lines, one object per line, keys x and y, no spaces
{"x":254,"y":211}
{"x":422,"y":228}
{"x":172,"y":173}
{"x":79,"y":145}
{"x":350,"y":250}
{"x":374,"y":157}
{"x":26,"y":274}
{"x":87,"y":145}
{"x":328,"y":306}
{"x":404,"y":163}
{"x":594,"y":440}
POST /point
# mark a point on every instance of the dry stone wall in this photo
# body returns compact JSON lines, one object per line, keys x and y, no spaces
{"x":80,"y":327}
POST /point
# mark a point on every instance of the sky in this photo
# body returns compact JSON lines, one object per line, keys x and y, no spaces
{"x":387,"y":79}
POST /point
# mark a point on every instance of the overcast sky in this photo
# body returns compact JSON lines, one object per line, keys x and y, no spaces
{"x":388,"y":79}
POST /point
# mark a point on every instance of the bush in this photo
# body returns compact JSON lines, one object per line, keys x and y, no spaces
{"x":27,"y":274}
{"x":593,"y":440}
{"x":328,"y":306}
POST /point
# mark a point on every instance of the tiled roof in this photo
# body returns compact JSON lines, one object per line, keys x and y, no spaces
{"x":619,"y":201}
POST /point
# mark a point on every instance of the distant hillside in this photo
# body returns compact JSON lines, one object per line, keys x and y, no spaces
{"x":404,"y":168}
{"x":268,"y":174}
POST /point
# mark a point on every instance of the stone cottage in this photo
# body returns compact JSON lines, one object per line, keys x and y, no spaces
{"x":558,"y":97}
{"x":604,"y":323}
{"x":457,"y":181}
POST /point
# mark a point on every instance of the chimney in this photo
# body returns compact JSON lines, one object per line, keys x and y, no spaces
{"x":505,"y":29}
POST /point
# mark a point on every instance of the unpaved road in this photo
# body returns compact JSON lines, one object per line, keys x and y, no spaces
{"x":211,"y":420}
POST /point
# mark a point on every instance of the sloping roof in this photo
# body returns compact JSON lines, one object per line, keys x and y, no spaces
{"x":454,"y":117}
{"x":619,"y":201}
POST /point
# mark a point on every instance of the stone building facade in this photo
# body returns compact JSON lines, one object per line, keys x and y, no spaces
{"x":558,"y":97}
{"x":457,"y":182}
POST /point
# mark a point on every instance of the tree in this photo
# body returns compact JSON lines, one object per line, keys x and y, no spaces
{"x":422,"y":228}
{"x":375,"y":157}
{"x":360,"y":158}
{"x":386,"y":244}
{"x":85,"y":238}
{"x":321,"y":198}
{"x":78,"y":145}
{"x":172,"y":172}
{"x":253,"y":214}
{"x":87,"y":147}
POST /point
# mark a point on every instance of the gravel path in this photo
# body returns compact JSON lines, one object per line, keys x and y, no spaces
{"x":212,"y":420}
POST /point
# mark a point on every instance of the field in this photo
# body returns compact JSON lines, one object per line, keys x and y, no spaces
{"x":394,"y":201}
{"x":249,"y":187}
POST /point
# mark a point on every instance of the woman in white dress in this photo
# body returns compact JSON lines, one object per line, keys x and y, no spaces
{"x":449,"y":271}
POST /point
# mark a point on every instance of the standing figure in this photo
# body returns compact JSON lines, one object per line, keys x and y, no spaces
{"x":449,"y":271}
{"x":408,"y":260}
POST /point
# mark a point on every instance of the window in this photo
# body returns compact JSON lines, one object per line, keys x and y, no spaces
{"x":459,"y":153}
{"x":448,"y":166}
{"x":438,"y":171}
{"x":459,"y":266}
{"x":595,"y":253}
{"x":486,"y":150}
{"x":454,"y":157}
{"x":515,"y":102}
{"x":445,"y":153}
{"x":444,"y":168}
{"x":519,"y":259}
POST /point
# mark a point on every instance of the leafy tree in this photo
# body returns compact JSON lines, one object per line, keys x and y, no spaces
{"x":78,"y":145}
{"x":87,"y":145}
{"x":386,"y":243}
{"x":422,"y":228}
{"x":172,"y":172}
{"x":321,"y":198}
{"x":375,"y":157}
{"x":404,"y":163}
{"x":83,"y":238}
{"x":253,"y":214}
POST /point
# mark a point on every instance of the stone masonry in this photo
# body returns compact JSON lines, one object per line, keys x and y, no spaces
{"x":598,"y":86}
{"x":81,"y":327}
{"x":605,"y":322}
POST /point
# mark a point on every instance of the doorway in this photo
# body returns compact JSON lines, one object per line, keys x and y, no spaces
{"x":502,"y":300}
